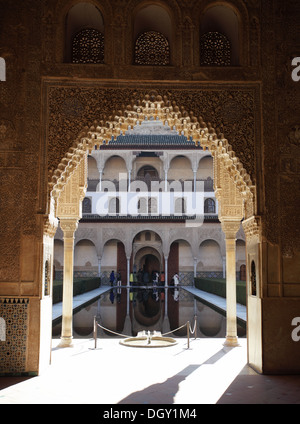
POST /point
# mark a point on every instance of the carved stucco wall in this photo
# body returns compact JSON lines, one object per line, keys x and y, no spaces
{"x":230,"y":109}
{"x":34,"y":138}
{"x":235,"y":110}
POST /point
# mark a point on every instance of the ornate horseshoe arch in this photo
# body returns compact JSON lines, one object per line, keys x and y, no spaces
{"x":161,"y":108}
{"x":233,"y":185}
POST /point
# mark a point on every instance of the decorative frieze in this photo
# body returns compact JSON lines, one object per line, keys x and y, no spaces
{"x":252,"y":229}
{"x":102,"y":104}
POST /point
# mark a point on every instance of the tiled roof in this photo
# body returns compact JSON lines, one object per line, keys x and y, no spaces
{"x":151,"y":140}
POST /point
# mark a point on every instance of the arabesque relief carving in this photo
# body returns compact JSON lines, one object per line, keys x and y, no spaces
{"x":70,"y":107}
{"x":113,"y":121}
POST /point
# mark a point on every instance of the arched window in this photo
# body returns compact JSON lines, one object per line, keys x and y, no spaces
{"x":152,"y":205}
{"x":219,"y":36}
{"x":114,"y":205}
{"x":147,"y":170}
{"x":86,"y":205}
{"x":253,"y":278}
{"x":152,"y":48}
{"x":180,"y":206}
{"x":88,"y":46}
{"x":215,"y":50}
{"x":142,"y":205}
{"x":84,"y":34}
{"x":209,"y":206}
{"x":243,"y":272}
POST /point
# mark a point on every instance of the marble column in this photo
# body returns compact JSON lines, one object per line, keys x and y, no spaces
{"x":230,"y":229}
{"x":195,"y":180}
{"x":129,"y":180}
{"x":99,"y":266}
{"x":195,"y":267}
{"x":166,"y":179}
{"x":100,"y":180}
{"x":224,"y":266}
{"x":166,"y":271}
{"x":128,"y":270}
{"x":68,"y":227}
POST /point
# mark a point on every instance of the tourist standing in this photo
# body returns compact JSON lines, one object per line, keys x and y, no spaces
{"x":112,"y":278}
{"x":176,"y":279}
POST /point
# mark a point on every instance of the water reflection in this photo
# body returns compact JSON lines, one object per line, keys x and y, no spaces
{"x":127,"y":311}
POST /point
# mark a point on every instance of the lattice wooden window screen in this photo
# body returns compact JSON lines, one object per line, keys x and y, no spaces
{"x":152,"y":48}
{"x":88,"y":46}
{"x":215,"y":50}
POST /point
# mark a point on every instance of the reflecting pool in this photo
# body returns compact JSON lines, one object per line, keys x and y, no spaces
{"x":125,"y":311}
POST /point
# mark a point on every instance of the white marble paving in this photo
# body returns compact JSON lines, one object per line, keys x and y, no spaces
{"x":79,"y":300}
{"x":220,"y":302}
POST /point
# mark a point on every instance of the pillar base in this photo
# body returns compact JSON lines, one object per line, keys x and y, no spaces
{"x":231,"y":341}
{"x":66,"y":342}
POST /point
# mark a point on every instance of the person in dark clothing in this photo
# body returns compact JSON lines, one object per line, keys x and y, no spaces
{"x":112,"y":278}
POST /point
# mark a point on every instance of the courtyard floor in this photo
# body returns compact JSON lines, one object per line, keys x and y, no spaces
{"x":113,"y":374}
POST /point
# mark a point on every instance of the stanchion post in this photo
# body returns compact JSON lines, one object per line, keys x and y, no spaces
{"x":95,"y":331}
{"x":188,"y":334}
{"x":195,"y":327}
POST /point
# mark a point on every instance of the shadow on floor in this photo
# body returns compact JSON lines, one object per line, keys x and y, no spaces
{"x":164,"y":393}
{"x":11,"y":381}
{"x":250,"y":387}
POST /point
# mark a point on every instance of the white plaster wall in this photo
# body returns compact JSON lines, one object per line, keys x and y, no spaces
{"x":93,"y":172}
{"x":186,"y":262}
{"x":114,"y":166}
{"x":240,"y":254}
{"x":84,"y":252}
{"x":240,"y":251}
{"x":210,"y":256}
{"x":180,"y":168}
{"x":58,"y":252}
{"x":205,"y":168}
{"x":109,"y":257}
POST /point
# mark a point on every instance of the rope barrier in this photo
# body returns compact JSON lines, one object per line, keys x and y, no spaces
{"x":187,"y":324}
{"x":195,"y":327}
{"x":118,"y":334}
{"x":173,"y":331}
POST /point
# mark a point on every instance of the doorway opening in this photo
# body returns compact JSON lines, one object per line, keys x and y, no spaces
{"x":230,"y":178}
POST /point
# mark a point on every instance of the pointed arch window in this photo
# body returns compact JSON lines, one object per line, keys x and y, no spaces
{"x":152,"y":48}
{"x":215,"y":50}
{"x":88,"y":46}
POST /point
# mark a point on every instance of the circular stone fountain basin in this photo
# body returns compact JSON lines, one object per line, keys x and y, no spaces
{"x":149,"y":340}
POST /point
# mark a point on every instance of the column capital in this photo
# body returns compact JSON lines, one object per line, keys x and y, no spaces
{"x":68,"y":226}
{"x":230,"y":228}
